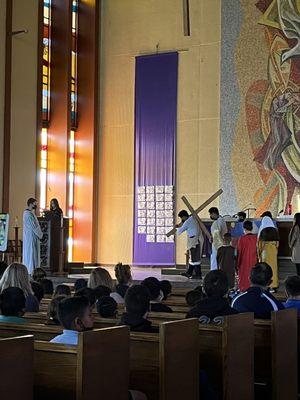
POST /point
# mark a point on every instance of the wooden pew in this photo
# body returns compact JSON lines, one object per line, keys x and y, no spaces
{"x":276,"y":360}
{"x":226,"y":355}
{"x":16,"y":368}
{"x":96,"y":369}
{"x":165,"y":366}
{"x":39,"y":331}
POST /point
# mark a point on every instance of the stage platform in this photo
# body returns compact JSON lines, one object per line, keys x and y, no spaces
{"x":286,"y":268}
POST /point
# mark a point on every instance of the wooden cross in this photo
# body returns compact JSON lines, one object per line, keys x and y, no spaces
{"x":195,"y":213}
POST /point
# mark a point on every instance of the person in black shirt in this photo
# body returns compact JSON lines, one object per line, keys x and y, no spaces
{"x":215,"y":304}
{"x":137,"y":304}
{"x":156,"y":295}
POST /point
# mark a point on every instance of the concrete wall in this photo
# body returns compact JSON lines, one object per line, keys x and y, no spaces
{"x":135,"y":27}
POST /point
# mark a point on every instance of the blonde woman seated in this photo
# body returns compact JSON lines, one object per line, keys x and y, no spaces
{"x":101,"y":277}
{"x":16,"y":275}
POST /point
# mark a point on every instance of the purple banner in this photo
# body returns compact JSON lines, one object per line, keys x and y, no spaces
{"x":155,"y":135}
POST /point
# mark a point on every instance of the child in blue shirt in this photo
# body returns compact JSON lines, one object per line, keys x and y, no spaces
{"x":75,"y":315}
{"x":292,"y":288}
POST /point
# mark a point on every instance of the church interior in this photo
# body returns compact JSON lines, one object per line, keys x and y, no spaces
{"x":149,"y":199}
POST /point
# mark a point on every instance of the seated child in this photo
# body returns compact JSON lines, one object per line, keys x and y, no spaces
{"x":193,"y":296}
{"x":292,"y":288}
{"x":226,"y":259}
{"x":74,"y":314}
{"x":137,"y":304}
{"x":47,"y":285}
{"x":39,"y":274}
{"x":166,"y":288}
{"x":107,"y":307}
{"x":12,"y":305}
{"x":101,"y":291}
{"x":38,"y":290}
{"x":79,"y":284}
{"x":156,"y":295}
{"x":52,"y":312}
{"x":215,"y":286}
{"x":257,"y":298}
{"x":62,"y":290}
{"x":124,"y":279}
{"x":88,"y":293}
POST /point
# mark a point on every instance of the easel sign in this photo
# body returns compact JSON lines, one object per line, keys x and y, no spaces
{"x":4,"y":225}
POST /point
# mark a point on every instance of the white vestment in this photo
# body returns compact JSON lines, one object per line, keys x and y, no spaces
{"x":32,"y":234}
{"x":218,"y":230}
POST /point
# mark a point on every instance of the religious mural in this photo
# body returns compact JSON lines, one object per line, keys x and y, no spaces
{"x":267,"y":128}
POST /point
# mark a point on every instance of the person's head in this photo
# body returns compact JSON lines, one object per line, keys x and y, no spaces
{"x":269,"y":235}
{"x":79,"y":284}
{"x":38,"y":290}
{"x":54,"y":205}
{"x":242,"y":216}
{"x":107,"y":307}
{"x":101,"y":291}
{"x":123,"y":274}
{"x":213,"y":213}
{"x":137,"y":300}
{"x":248,"y":226}
{"x":3,"y":266}
{"x":16,"y":275}
{"x":12,"y":302}
{"x":261,"y":275}
{"x":47,"y":285}
{"x":292,"y":286}
{"x":153,"y":285}
{"x":183,"y":215}
{"x":100,"y":276}
{"x":166,"y":288}
{"x":52,"y":312}
{"x":32,"y":203}
{"x":88,"y":293}
{"x":39,"y":274}
{"x":297,"y":219}
{"x":267,"y":214}
{"x":62,"y":289}
{"x":215,"y":284}
{"x":74,"y":313}
{"x":227,"y":239}
{"x":193,"y":296}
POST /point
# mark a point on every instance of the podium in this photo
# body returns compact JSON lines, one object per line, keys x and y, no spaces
{"x":54,"y":243}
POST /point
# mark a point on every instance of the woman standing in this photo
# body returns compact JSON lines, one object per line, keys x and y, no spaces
{"x":268,"y":243}
{"x":294,"y":242}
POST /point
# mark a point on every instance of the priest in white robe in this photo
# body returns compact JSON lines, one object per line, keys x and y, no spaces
{"x":32,"y":234}
{"x":218,"y":230}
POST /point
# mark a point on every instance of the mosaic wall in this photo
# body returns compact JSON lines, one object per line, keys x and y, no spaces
{"x":260,"y":105}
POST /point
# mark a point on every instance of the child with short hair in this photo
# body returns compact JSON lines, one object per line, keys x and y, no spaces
{"x":12,"y":305}
{"x":74,"y":314}
{"x":193,"y":296}
{"x":107,"y":307}
{"x":215,"y":286}
{"x":47,"y":285}
{"x":88,"y":293}
{"x":137,"y":304}
{"x":156,"y":295}
{"x":246,"y":255}
{"x":226,"y":259}
{"x":166,"y":288}
{"x":292,"y":288}
{"x":62,"y":290}
{"x":52,"y":312}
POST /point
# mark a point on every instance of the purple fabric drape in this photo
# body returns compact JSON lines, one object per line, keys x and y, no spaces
{"x":155,"y":135}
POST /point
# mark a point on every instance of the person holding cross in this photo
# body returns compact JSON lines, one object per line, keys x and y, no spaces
{"x":195,"y":241}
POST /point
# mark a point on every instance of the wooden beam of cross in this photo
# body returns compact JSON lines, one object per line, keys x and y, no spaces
{"x":200,"y":208}
{"x":197,"y":218}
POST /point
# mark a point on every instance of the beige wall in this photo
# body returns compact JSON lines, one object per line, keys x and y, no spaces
{"x":2,"y":87}
{"x":23,"y":105}
{"x":134,"y":27}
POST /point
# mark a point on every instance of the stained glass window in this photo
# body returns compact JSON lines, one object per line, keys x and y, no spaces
{"x":45,"y":101}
